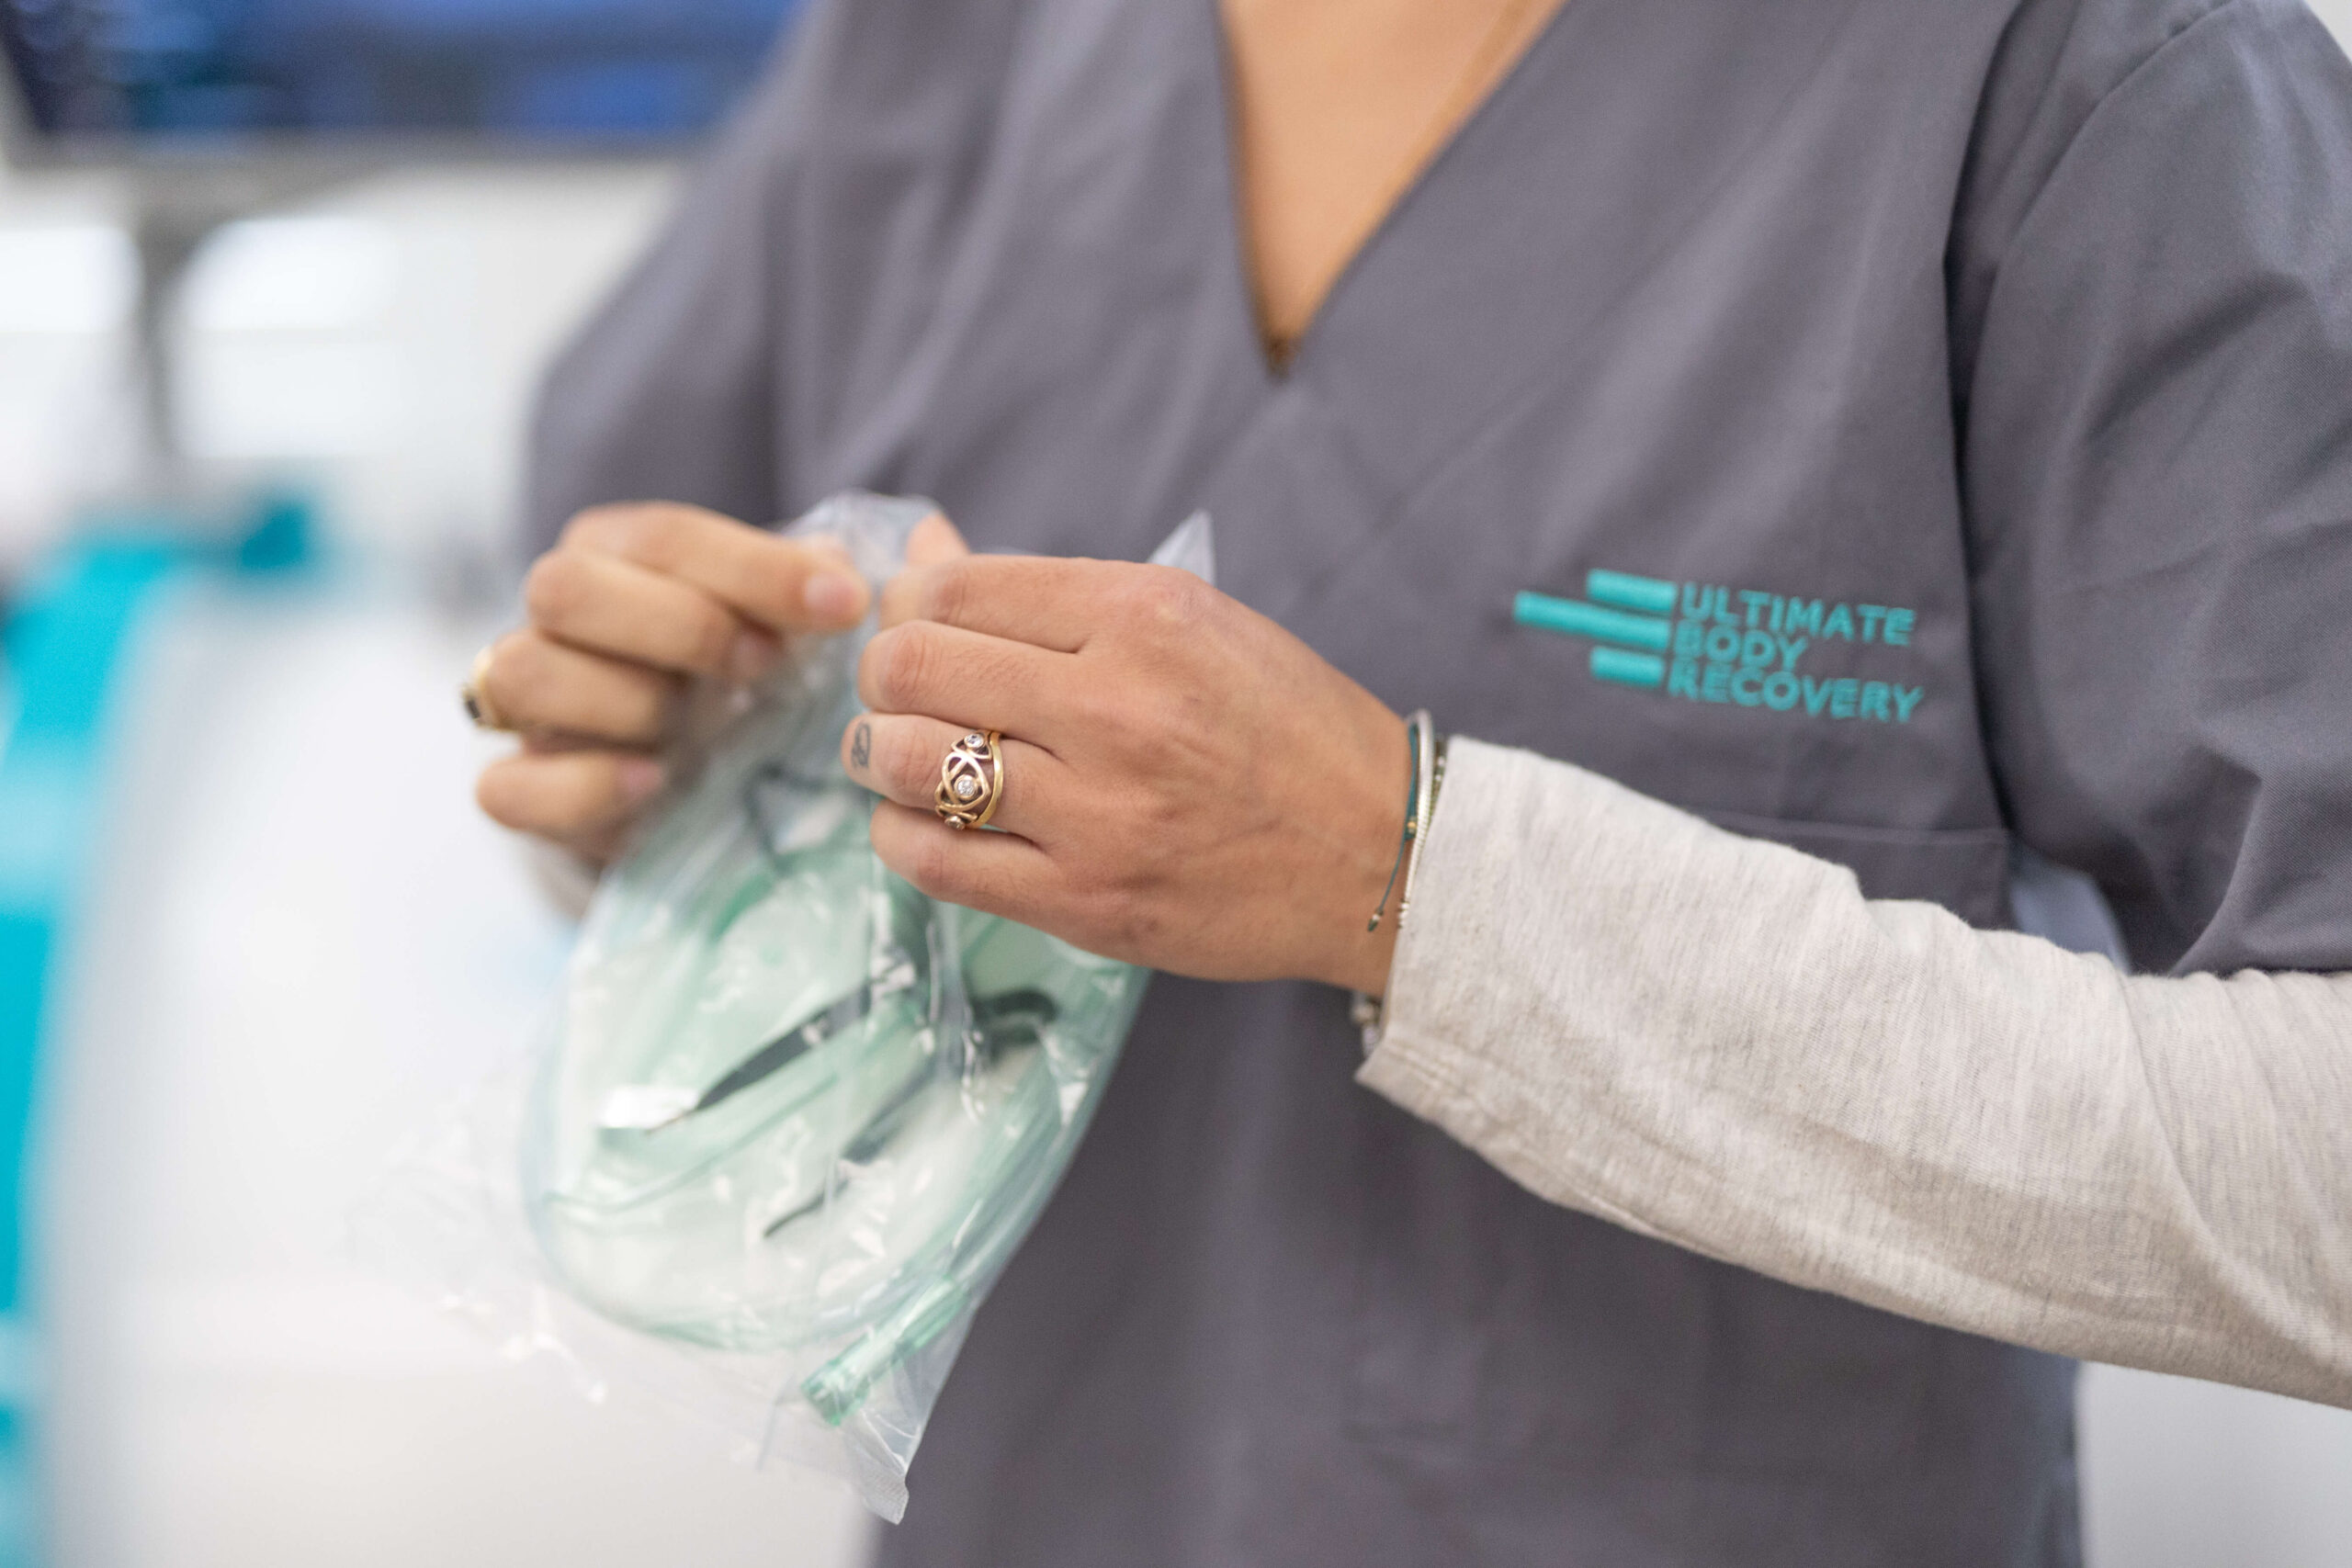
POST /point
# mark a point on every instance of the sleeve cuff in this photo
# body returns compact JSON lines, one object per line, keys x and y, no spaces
{"x":1446,"y":950}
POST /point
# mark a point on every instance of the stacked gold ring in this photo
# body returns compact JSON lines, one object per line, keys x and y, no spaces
{"x":971,"y":780}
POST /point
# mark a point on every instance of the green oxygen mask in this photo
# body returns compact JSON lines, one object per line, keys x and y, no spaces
{"x":795,"y":1113}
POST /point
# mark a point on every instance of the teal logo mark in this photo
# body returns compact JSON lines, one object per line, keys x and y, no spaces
{"x":1744,"y":648}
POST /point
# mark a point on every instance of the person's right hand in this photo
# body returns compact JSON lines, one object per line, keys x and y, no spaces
{"x":632,"y":603}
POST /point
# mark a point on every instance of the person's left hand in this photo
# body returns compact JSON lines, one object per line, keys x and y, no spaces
{"x":1187,"y":785}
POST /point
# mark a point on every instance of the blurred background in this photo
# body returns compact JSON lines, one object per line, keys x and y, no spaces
{"x":277,"y":278}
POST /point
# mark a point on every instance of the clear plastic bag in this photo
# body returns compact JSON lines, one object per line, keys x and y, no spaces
{"x":793,"y":1116}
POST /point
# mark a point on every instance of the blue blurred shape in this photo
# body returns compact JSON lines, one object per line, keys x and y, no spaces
{"x":63,"y":641}
{"x":283,"y":535}
{"x":512,"y":71}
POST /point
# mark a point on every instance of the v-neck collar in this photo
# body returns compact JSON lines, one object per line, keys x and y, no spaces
{"x":1539,"y":216}
{"x":1237,"y":235}
{"x":1098,"y":286}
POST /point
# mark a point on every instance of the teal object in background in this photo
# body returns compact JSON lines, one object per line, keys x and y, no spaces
{"x":65,"y":639}
{"x":63,"y":643}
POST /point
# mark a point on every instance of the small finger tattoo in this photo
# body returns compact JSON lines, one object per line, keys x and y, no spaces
{"x":861,"y":745}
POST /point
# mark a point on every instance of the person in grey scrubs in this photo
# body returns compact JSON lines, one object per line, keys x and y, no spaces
{"x":1807,"y":456}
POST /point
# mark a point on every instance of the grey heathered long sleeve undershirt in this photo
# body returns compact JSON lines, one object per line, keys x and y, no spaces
{"x":1719,"y":1042}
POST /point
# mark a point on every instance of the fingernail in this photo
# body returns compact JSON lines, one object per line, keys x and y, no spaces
{"x":835,"y":596}
{"x":641,"y":779}
{"x":754,"y":655}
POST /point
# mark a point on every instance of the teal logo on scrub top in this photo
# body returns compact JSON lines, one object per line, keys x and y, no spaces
{"x":1744,"y":647}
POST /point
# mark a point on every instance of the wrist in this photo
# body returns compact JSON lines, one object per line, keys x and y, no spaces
{"x":1363,"y":964}
{"x":1359,"y":921}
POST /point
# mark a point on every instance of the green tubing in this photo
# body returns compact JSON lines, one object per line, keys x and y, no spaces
{"x":836,"y":1389}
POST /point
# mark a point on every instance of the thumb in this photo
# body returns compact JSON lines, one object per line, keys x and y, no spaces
{"x":935,"y":542}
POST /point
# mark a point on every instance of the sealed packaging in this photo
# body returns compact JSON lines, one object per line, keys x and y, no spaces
{"x":792,"y":1117}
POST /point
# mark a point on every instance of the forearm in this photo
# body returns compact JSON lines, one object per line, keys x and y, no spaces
{"x":1719,"y":1042}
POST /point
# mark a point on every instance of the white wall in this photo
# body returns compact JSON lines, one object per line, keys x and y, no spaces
{"x":2337,"y":15}
{"x":62,"y":344}
{"x":410,"y":406}
{"x":2181,"y":1474}
{"x":379,"y":343}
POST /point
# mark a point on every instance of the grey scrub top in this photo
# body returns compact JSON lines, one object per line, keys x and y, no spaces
{"x":1979,"y":374}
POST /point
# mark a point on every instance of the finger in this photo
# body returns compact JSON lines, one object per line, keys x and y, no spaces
{"x":1047,"y":601}
{"x":538,"y":685}
{"x":964,"y":678}
{"x":999,"y":874}
{"x":574,"y":797}
{"x":935,"y":540}
{"x":601,"y":603}
{"x":899,"y":757}
{"x":786,"y":585}
{"x":1050,"y":601}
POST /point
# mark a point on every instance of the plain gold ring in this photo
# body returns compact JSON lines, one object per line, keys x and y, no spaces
{"x":475,"y":695}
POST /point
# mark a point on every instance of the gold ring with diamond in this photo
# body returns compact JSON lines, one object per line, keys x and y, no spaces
{"x":475,"y":695}
{"x":971,"y":780}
